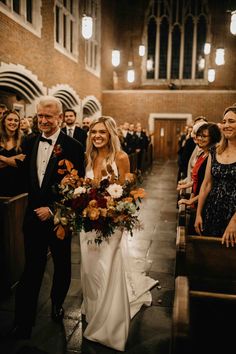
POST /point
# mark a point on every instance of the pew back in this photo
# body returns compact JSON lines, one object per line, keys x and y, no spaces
{"x":207,"y":263}
{"x":12,"y":211}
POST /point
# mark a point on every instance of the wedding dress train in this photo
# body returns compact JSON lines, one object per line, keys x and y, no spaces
{"x":113,"y":290}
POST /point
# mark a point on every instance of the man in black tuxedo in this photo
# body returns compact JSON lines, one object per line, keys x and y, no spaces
{"x":72,"y":130}
{"x":43,"y":152}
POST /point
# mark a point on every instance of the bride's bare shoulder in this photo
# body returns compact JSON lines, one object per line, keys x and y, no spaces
{"x":121,"y":156}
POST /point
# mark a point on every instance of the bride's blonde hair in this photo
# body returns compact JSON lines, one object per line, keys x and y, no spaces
{"x":113,"y":144}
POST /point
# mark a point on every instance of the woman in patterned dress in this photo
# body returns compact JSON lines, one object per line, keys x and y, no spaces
{"x":216,"y":212}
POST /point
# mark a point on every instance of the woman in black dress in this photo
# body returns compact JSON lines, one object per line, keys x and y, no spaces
{"x":216,"y":212}
{"x":11,"y":178}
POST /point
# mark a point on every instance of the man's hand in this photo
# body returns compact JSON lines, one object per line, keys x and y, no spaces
{"x":43,"y":213}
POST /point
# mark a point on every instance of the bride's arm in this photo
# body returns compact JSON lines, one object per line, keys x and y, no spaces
{"x":123,"y":165}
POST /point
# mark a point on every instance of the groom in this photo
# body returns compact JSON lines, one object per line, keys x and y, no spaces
{"x":43,"y":153}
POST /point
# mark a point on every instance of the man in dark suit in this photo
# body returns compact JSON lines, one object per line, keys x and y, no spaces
{"x":71,"y":129}
{"x":43,"y":152}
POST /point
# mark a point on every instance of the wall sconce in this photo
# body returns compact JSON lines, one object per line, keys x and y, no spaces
{"x":233,"y":23}
{"x":130,"y":72}
{"x":220,"y":56}
{"x":87,"y":27}
{"x":211,"y":75}
{"x":115,"y":57}
{"x":141,"y":50}
{"x":207,"y":48}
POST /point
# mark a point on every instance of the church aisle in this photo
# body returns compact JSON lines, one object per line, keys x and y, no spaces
{"x":150,"y":329}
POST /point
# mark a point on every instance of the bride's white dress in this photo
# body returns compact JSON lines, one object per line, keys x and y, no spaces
{"x":114,"y":289}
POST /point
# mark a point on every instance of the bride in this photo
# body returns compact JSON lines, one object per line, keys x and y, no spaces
{"x":113,"y":292}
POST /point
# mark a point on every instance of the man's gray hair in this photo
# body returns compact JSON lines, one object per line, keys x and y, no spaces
{"x":48,"y":101}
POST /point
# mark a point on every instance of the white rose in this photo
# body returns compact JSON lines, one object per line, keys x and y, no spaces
{"x":115,"y":190}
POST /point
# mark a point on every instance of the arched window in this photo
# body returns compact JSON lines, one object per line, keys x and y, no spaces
{"x":175,"y":33}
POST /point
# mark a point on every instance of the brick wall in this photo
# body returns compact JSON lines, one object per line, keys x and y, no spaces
{"x":136,"y":106}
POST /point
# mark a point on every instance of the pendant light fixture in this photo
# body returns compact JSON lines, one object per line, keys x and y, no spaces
{"x":130,"y":72}
{"x":87,"y":27}
{"x":233,"y":23}
{"x":211,"y":75}
{"x":115,"y":57}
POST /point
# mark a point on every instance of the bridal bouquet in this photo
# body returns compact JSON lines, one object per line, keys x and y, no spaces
{"x":100,"y":206}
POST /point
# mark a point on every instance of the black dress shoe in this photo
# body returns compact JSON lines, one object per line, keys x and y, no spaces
{"x":57,"y":313}
{"x":20,"y":332}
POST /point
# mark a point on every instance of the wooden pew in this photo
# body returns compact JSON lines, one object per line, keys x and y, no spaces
{"x":208,"y":264}
{"x":202,"y":321}
{"x":12,"y":211}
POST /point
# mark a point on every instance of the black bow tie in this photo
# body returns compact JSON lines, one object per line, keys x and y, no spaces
{"x":49,"y":141}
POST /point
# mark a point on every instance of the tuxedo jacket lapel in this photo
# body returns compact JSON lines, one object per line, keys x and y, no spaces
{"x":33,"y":166}
{"x":52,"y":163}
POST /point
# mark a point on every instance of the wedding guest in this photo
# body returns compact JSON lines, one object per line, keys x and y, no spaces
{"x":189,"y":147}
{"x":216,"y":215}
{"x":86,"y":121}
{"x":110,"y":297}
{"x":207,"y":136}
{"x":71,"y":129}
{"x":43,"y":152}
{"x":11,"y":178}
{"x":3,"y":108}
{"x":25,"y":127}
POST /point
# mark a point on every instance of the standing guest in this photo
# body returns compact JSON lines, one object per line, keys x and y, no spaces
{"x":30,"y":120}
{"x":25,"y":127}
{"x":3,"y":108}
{"x":189,"y":147}
{"x":142,"y":146}
{"x":86,"y":121}
{"x":43,"y":152}
{"x":11,"y":179}
{"x":132,"y":140}
{"x":35,"y":128}
{"x":71,"y":129}
{"x":207,"y":136}
{"x":216,"y":213}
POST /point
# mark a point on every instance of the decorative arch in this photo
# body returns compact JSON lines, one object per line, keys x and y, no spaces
{"x":91,"y":106}
{"x":68,"y":97}
{"x":23,"y":82}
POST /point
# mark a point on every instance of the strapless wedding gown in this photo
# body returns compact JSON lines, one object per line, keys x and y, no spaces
{"x":114,"y":287}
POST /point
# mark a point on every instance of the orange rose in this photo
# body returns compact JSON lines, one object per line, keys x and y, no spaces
{"x":93,"y":204}
{"x":93,"y":213}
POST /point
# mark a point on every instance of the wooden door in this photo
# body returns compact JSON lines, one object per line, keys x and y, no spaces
{"x":166,"y":135}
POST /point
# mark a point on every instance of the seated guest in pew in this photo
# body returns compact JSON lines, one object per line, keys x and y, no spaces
{"x":11,"y":179}
{"x":207,"y":136}
{"x":216,"y":211}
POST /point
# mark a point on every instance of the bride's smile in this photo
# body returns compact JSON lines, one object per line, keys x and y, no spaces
{"x":100,"y":135}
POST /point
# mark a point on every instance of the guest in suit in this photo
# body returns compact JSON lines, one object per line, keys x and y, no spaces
{"x":87,"y":120}
{"x":43,"y":152}
{"x":71,"y":129}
